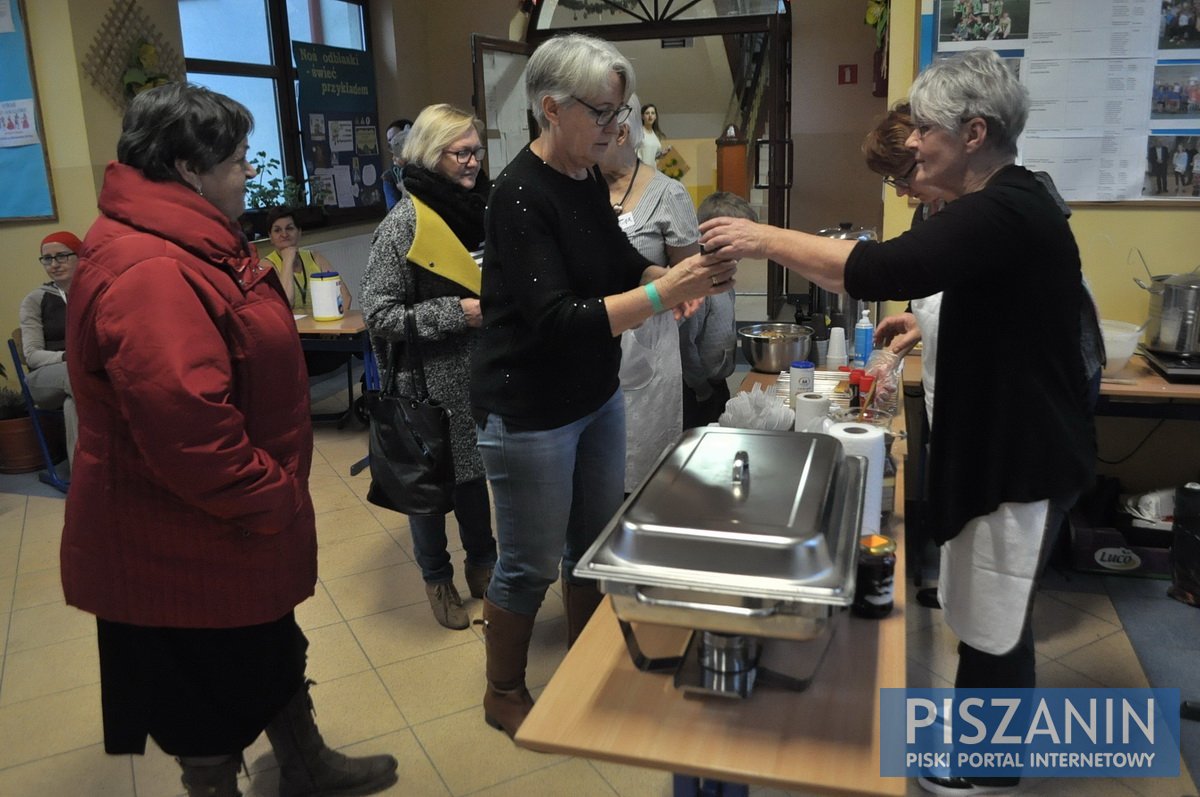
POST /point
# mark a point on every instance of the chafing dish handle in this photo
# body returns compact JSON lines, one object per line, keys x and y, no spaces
{"x":739,"y":611}
{"x":741,"y":468}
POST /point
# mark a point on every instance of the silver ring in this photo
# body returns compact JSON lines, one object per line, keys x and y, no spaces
{"x":714,"y":282}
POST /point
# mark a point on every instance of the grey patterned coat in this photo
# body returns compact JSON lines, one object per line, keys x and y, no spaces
{"x":445,"y":339}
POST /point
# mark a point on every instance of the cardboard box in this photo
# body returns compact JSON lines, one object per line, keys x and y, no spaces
{"x":1120,"y":551}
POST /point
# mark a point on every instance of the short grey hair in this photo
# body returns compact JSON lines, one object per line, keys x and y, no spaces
{"x":573,"y":64}
{"x":970,"y":84}
{"x":437,"y":127}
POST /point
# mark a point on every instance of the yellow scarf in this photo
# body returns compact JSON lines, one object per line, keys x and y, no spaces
{"x":436,"y":248}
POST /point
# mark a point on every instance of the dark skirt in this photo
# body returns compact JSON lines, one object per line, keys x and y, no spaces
{"x":196,"y":691}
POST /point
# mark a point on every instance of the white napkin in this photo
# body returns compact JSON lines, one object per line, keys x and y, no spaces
{"x":758,"y":409}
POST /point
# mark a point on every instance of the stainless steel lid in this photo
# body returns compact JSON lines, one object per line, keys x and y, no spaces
{"x":771,"y":515}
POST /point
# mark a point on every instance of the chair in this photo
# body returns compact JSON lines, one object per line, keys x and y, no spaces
{"x":36,"y":414}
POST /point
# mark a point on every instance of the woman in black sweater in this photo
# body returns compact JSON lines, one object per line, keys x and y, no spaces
{"x":1012,"y":447}
{"x":561,"y":282}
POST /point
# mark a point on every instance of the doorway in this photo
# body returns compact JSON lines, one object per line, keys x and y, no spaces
{"x":736,"y":54}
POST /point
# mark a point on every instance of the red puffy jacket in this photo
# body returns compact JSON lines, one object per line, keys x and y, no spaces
{"x":189,"y":503}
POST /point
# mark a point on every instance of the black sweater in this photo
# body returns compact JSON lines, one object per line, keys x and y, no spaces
{"x":546,"y":355}
{"x":1011,"y":404}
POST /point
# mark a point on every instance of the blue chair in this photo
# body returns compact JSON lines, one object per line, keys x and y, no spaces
{"x":36,"y":414}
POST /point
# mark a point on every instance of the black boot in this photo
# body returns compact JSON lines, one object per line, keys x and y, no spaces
{"x":308,"y":768}
{"x":211,"y":776}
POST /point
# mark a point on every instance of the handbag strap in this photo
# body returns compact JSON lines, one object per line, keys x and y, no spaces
{"x":414,"y":362}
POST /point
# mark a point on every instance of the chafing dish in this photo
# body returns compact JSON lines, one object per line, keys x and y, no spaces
{"x":735,"y":532}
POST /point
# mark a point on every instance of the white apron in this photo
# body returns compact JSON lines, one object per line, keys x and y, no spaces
{"x":987,"y":575}
{"x":652,"y":382}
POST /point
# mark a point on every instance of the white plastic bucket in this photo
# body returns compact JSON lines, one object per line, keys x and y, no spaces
{"x":326,"y":287}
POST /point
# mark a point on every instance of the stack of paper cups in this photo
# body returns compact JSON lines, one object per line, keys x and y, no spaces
{"x":835,"y":354}
{"x":866,"y":441}
{"x":811,"y":411}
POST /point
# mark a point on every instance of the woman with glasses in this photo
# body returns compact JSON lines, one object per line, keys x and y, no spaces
{"x":190,"y":531}
{"x":43,"y":318}
{"x":1008,"y":454}
{"x":885,"y":152}
{"x":561,"y":282}
{"x":659,"y":219}
{"x":421,"y":260}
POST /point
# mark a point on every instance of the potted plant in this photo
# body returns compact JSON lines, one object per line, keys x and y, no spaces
{"x":268,"y":190}
{"x":19,"y":450}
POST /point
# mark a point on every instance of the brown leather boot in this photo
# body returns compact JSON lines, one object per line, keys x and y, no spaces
{"x":478,"y":578}
{"x":211,"y":776}
{"x":580,"y":601}
{"x":307,"y":767}
{"x":506,"y":634}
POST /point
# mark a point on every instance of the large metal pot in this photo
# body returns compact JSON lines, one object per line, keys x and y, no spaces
{"x":839,"y":309}
{"x":1174,"y":326}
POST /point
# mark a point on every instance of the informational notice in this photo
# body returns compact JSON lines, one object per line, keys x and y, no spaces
{"x":1114,"y":88}
{"x":339,"y":121}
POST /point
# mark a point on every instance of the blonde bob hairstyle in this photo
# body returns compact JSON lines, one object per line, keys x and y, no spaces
{"x":436,"y":127}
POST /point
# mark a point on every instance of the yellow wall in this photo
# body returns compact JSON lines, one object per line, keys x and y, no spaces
{"x":700,"y":154}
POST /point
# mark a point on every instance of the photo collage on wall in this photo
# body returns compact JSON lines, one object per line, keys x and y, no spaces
{"x":1114,"y":88}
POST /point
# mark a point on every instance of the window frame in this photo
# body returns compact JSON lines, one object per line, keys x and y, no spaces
{"x":284,"y":75}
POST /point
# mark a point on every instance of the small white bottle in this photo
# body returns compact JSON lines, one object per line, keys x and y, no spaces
{"x":802,"y":375}
{"x":864,"y":337}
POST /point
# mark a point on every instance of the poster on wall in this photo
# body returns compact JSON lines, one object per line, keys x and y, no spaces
{"x":339,"y":125}
{"x":27,"y":192}
{"x":1114,"y":88}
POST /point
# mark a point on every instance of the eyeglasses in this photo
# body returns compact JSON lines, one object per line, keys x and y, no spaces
{"x":465,"y":155}
{"x":606,"y":117}
{"x":903,"y":182}
{"x":60,"y":258}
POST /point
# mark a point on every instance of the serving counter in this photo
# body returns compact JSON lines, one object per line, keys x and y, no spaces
{"x":824,"y":739}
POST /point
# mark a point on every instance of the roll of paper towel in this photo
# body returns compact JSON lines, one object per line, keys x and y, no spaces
{"x":811,"y":411}
{"x":866,"y":441}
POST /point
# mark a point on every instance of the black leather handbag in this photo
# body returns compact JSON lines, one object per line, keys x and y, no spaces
{"x":411,"y":459}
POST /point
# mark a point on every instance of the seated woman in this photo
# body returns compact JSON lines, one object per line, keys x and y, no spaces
{"x":295,"y":267}
{"x":43,"y":317}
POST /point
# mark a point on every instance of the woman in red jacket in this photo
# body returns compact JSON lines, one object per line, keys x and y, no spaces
{"x":190,"y":531}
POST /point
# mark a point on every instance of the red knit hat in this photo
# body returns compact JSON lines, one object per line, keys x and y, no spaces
{"x":65,"y":238}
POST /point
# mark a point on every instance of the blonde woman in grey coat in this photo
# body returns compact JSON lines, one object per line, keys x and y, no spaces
{"x":421,"y":258}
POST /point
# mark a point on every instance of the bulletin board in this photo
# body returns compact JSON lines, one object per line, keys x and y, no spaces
{"x":1114,"y":88}
{"x":28,"y":193}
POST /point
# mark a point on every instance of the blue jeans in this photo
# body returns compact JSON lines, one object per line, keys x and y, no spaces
{"x":555,"y":489}
{"x":474,"y":517}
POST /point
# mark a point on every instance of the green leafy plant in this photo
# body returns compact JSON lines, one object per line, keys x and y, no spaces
{"x":877,"y":16}
{"x":143,"y":72}
{"x":268,"y":189}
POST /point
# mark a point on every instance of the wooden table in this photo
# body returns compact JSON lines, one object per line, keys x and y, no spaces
{"x":1138,"y":391}
{"x":824,"y":739}
{"x":347,"y":334}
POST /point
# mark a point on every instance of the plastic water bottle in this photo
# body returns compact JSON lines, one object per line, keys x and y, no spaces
{"x":864,"y":336}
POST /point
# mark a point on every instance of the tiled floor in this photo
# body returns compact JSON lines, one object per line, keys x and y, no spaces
{"x":390,"y":679}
